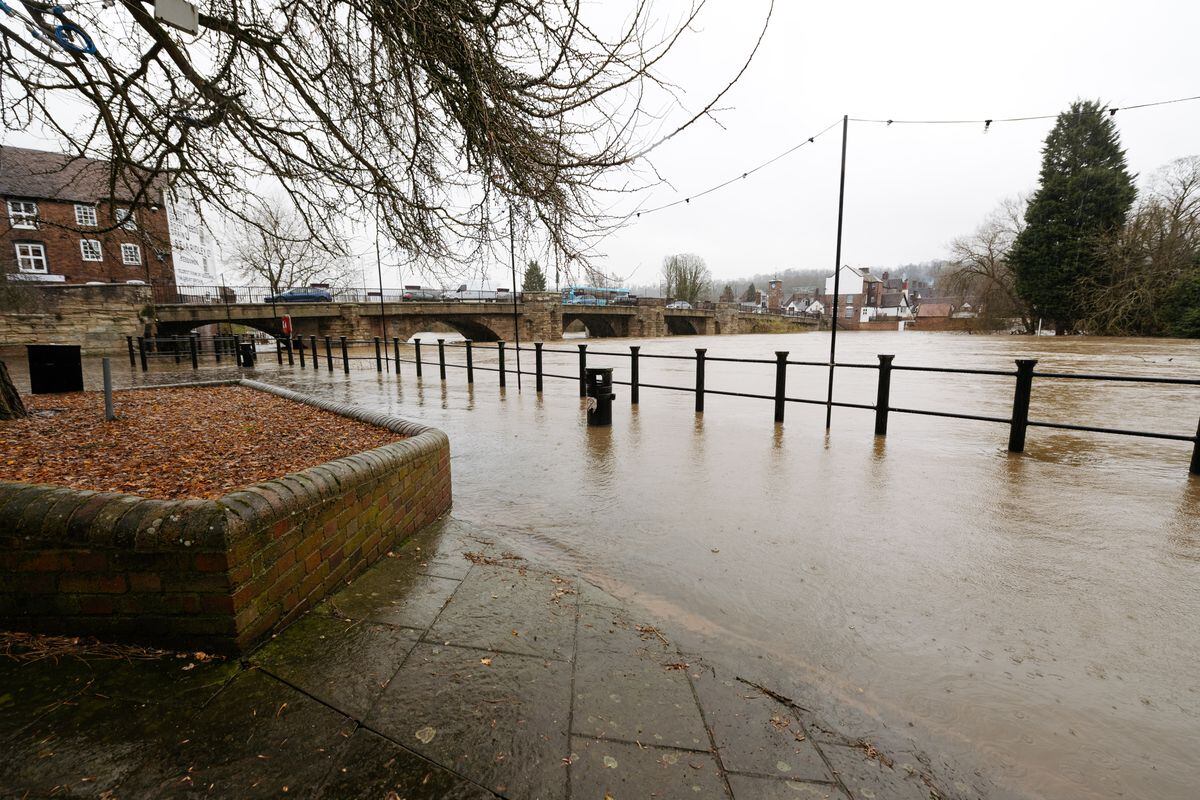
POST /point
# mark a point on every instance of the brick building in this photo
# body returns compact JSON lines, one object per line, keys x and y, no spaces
{"x":60,"y":223}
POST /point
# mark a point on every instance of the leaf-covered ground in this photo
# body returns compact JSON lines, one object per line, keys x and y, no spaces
{"x":175,"y":443}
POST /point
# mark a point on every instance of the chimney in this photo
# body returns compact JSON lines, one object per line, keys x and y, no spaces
{"x":905,"y":285}
{"x":885,"y":275}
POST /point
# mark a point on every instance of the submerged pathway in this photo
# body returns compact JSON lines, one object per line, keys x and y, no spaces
{"x":451,"y":669}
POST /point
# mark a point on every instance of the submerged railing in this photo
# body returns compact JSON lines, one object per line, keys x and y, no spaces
{"x":329,"y":350}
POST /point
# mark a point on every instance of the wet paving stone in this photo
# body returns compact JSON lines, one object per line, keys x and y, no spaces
{"x":614,"y":630}
{"x":871,"y":779}
{"x":755,"y":733}
{"x":85,"y":746}
{"x":375,"y":767}
{"x":748,"y":787}
{"x":396,"y":593}
{"x":344,"y":663}
{"x":29,"y":689}
{"x":502,"y":724}
{"x":481,"y":614}
{"x":257,"y":738}
{"x":623,"y":771}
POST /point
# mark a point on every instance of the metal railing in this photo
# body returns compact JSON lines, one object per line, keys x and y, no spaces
{"x":233,"y":295}
{"x":319,"y":352}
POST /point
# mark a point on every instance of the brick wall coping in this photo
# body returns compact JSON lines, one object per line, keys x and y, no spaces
{"x":66,"y":517}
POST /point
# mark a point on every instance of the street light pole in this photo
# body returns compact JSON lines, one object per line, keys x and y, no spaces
{"x":837,"y":274}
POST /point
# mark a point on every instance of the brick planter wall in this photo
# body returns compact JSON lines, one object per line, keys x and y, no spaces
{"x":214,"y":574}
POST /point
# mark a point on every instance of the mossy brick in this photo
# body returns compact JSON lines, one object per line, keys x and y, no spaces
{"x":96,"y":604}
{"x":28,"y":582}
{"x":262,"y":511}
{"x":206,"y":582}
{"x":29,"y":524}
{"x":174,"y":529}
{"x":326,"y":478}
{"x":144,"y":582}
{"x":92,"y":584}
{"x":85,"y":561}
{"x":210,"y":562}
{"x":103,"y":526}
{"x":304,"y":489}
{"x":79,"y":524}
{"x":127,"y":527}
{"x":54,"y":523}
{"x":41,"y":561}
{"x":15,"y":497}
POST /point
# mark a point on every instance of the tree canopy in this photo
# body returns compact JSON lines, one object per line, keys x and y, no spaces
{"x":534,"y":279}
{"x":1084,"y":194}
{"x":686,"y":277}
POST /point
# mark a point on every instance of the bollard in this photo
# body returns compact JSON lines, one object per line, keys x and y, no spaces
{"x":883,"y":395}
{"x":537,"y":366}
{"x":1195,"y":467}
{"x":417,"y":355}
{"x":132,"y":357}
{"x":442,"y":358}
{"x":106,"y":365}
{"x":288,"y":346}
{"x":780,"y":382}
{"x":312,"y":343}
{"x":633,"y":374}
{"x":142,"y":353}
{"x":193,"y":349}
{"x":1020,"y":413}
{"x":700,"y":351}
{"x":396,"y":354}
{"x":345,"y":356}
{"x":500,"y":363}
{"x":582,"y":370}
{"x":378,"y":357}
{"x":470,"y":364}
{"x":175,"y":347}
{"x":218,"y":346}
{"x":300,"y":348}
{"x":279,"y":350}
{"x":328,"y":354}
{"x":599,"y":396}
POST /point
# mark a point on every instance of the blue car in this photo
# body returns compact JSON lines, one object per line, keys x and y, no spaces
{"x":301,"y":296}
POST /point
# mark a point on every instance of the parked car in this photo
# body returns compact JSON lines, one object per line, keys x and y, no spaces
{"x":420,"y":295}
{"x":464,"y":295}
{"x":684,"y":304}
{"x":583,"y":300}
{"x":301,"y":295}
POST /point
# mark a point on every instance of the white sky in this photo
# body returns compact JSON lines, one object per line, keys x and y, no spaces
{"x":910,"y":189}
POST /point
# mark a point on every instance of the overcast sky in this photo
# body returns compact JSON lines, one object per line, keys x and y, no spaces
{"x":910,"y":189}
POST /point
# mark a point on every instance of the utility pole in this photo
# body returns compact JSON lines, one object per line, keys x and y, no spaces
{"x":512,"y":252}
{"x":837,"y":274}
{"x":379,"y":268}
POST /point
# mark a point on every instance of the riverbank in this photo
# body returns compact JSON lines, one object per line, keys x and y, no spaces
{"x":453,"y":668}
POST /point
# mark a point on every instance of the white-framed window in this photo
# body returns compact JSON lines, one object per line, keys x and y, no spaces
{"x":90,"y":248}
{"x":131,"y":254}
{"x":849,"y":312}
{"x":126,"y":219}
{"x":22,"y":214}
{"x":85,"y":215}
{"x":31,"y":256}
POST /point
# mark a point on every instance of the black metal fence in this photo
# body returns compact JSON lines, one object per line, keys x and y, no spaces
{"x":323,"y":352}
{"x":231,"y":295}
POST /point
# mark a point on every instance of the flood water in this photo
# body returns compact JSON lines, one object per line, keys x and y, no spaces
{"x":1037,"y":615}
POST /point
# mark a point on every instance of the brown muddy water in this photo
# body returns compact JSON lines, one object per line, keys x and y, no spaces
{"x":1035,"y":615}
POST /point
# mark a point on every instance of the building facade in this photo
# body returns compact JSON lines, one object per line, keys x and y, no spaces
{"x":60,"y":222}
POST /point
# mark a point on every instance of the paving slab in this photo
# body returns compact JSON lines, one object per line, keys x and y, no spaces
{"x":29,"y":689}
{"x":748,"y":787}
{"x":344,"y":663}
{"x":499,"y":719}
{"x":871,"y":779}
{"x":375,"y":767}
{"x":395,"y":592}
{"x":617,"y":630}
{"x":514,"y":610}
{"x":606,"y":770}
{"x":755,"y":733}
{"x":257,"y":738}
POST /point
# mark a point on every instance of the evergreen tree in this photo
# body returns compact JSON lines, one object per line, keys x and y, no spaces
{"x":727,"y":293}
{"x":534,"y":280}
{"x":751,"y":295}
{"x":1084,"y":194}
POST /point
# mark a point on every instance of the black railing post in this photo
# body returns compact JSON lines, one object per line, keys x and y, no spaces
{"x":192,"y":346}
{"x":378,"y":356}
{"x":217,"y":348}
{"x":312,"y":343}
{"x":700,"y":351}
{"x":1195,"y":467}
{"x":396,"y":354}
{"x":300,"y":348}
{"x":175,"y":347}
{"x":537,"y":366}
{"x":583,"y":370}
{"x":1020,"y":413}
{"x":500,"y":363}
{"x":328,"y":354}
{"x":883,"y":395}
{"x":442,"y":358}
{"x":417,"y":351}
{"x":345,"y":355}
{"x":633,"y":373}
{"x":132,"y":358}
{"x":780,"y":383}
{"x":288,"y":346}
{"x":279,"y":350}
{"x":142,"y":353}
{"x":470,"y":364}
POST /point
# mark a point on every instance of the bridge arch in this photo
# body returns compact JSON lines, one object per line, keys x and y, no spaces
{"x":471,"y":328}
{"x":598,"y":326}
{"x":681,"y":326}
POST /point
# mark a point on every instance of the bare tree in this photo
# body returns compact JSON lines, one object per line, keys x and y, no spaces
{"x":686,"y":277}
{"x":272,"y":245}
{"x":979,"y":267}
{"x":1147,"y":259}
{"x":443,"y":117}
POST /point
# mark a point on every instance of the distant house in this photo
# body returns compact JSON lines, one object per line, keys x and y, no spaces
{"x":894,"y":305}
{"x":63,"y":223}
{"x":928,"y":310}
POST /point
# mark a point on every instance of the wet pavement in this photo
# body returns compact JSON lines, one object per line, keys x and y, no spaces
{"x":453,"y":668}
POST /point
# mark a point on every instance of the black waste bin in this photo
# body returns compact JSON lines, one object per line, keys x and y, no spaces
{"x":55,"y":368}
{"x":249,"y":354}
{"x":599,"y":395}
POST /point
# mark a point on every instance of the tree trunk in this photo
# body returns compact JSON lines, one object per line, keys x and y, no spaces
{"x":11,"y":406}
